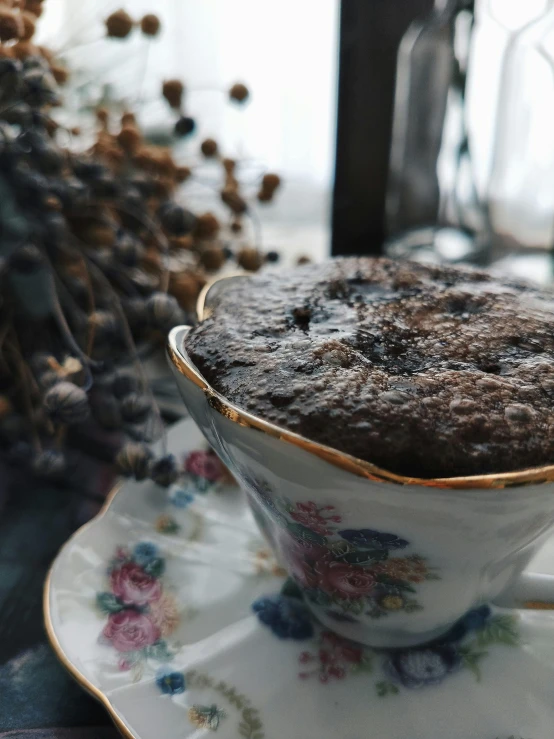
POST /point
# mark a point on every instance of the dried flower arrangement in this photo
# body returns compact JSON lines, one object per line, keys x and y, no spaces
{"x":98,"y":259}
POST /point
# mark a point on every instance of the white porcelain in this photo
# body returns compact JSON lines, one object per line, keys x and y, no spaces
{"x":218,"y":669}
{"x":382,"y":560}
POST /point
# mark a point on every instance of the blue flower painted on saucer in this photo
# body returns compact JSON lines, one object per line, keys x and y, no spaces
{"x":332,"y":657}
{"x":169,"y":681}
{"x":288,"y":618}
{"x":181,"y":496}
{"x":144,"y":553}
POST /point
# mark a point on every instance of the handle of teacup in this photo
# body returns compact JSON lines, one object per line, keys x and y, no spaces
{"x":532,"y":590}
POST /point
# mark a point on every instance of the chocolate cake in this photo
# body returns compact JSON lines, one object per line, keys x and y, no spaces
{"x":426,"y":371}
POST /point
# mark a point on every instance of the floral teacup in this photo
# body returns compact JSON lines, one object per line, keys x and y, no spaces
{"x":381,"y":559}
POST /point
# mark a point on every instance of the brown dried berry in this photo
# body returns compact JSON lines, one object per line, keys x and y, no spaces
{"x":234,"y":201}
{"x":229,"y":165}
{"x":29,"y":24}
{"x":128,"y":119}
{"x":34,"y":7}
{"x":102,"y":116}
{"x":212,"y":258}
{"x":209,"y":148}
{"x":181,"y":243}
{"x":239,"y":92}
{"x":119,"y":24}
{"x":236,"y":226}
{"x":270,"y":181}
{"x":129,"y":138}
{"x":24,"y":49}
{"x":186,"y":286}
{"x":303,"y":260}
{"x":173,"y":91}
{"x":206,"y":226}
{"x":250,"y":258}
{"x":182,"y":174}
{"x":61,"y":75}
{"x":11,"y":25}
{"x":150,"y":24}
{"x":265,"y":196}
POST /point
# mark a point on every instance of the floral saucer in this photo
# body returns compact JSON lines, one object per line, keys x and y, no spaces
{"x":172,"y":611}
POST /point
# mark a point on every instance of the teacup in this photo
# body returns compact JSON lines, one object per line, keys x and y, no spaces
{"x":381,"y":559}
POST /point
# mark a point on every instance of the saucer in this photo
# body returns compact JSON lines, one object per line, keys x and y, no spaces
{"x":171,"y":610}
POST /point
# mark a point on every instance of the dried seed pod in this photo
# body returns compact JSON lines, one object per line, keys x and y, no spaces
{"x":105,"y":409}
{"x":181,"y":243}
{"x":270,"y":181}
{"x":119,"y":24}
{"x":135,"y":408}
{"x":272,"y":257}
{"x":176,"y":220}
{"x":128,"y":119}
{"x":229,"y":165}
{"x":66,"y":403}
{"x":236,"y":225}
{"x":129,"y":138}
{"x":185,"y":287}
{"x":250,"y":258}
{"x":184,"y":126}
{"x":234,"y":201}
{"x":133,"y":460}
{"x":49,"y":464}
{"x":303,"y":260}
{"x":206,"y":226}
{"x":239,"y":92}
{"x":61,"y":75}
{"x":173,"y":91}
{"x":265,"y":196}
{"x":164,"y":311}
{"x":29,"y":21}
{"x":182,"y":174}
{"x":11,"y":25}
{"x":164,"y":471}
{"x":209,"y":148}
{"x":212,"y":258}
{"x":150,"y":24}
{"x":124,"y":383}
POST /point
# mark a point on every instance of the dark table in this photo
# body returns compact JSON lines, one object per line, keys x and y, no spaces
{"x":38,"y":698}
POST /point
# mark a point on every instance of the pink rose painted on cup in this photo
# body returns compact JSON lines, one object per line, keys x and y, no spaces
{"x":204,"y":464}
{"x":345,"y":580}
{"x":316,"y":518}
{"x":130,"y":631}
{"x":133,"y":586}
{"x":299,"y":558}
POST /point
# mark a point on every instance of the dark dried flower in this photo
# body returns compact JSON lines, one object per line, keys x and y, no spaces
{"x":133,"y":460}
{"x":66,"y":403}
{"x":124,"y":383}
{"x":164,"y":471}
{"x":173,"y":91}
{"x":209,"y":148}
{"x":135,"y":408}
{"x":272,"y":257}
{"x":184,"y":126}
{"x":106,"y":411}
{"x":239,"y":92}
{"x":176,"y":220}
{"x":50,"y":464}
{"x":150,"y":24}
{"x":119,"y":24}
{"x":163,"y":311}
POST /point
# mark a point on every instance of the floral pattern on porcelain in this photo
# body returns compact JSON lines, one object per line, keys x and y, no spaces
{"x":171,"y":683}
{"x":332,"y":657}
{"x":204,"y":470}
{"x":348,"y":572}
{"x":141,"y":613}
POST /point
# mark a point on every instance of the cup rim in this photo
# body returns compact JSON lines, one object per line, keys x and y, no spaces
{"x":180,"y":359}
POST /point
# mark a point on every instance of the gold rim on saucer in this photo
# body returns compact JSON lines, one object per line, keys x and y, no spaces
{"x":347,"y":462}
